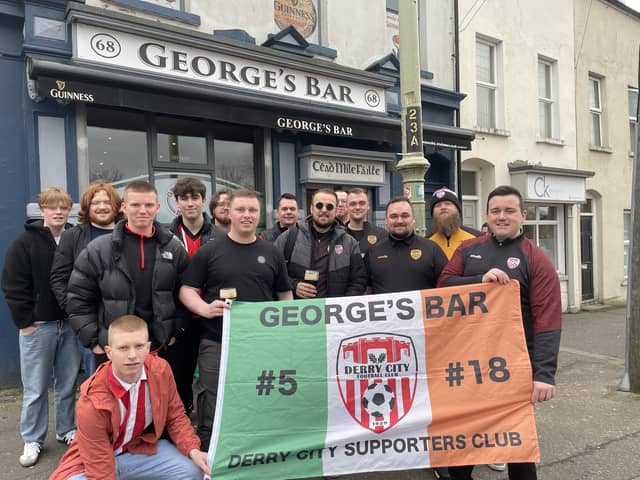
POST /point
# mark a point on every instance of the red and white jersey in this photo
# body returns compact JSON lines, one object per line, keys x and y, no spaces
{"x":135,"y":409}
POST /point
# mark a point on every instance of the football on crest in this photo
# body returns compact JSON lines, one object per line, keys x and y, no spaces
{"x":378,"y":400}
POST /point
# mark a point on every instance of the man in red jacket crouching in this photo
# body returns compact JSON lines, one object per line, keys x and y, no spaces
{"x":121,"y":414}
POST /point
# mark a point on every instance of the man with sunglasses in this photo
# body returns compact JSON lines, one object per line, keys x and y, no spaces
{"x":322,"y":259}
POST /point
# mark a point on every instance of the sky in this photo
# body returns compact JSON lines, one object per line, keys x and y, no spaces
{"x":633,"y":4}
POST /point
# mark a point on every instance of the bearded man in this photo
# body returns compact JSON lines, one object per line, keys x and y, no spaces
{"x":219,"y":208}
{"x":447,"y":229}
{"x":99,"y":211}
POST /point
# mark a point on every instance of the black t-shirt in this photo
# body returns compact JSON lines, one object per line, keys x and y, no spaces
{"x":357,"y":234}
{"x":413,"y":263}
{"x":256,"y":270}
{"x":98,"y":231}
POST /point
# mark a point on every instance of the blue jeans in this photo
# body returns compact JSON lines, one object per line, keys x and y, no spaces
{"x":167,"y":464}
{"x":88,"y":359}
{"x":51,"y":350}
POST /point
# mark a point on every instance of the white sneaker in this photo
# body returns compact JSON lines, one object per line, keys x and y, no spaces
{"x":67,"y":437}
{"x":30,"y":454}
{"x":498,"y":467}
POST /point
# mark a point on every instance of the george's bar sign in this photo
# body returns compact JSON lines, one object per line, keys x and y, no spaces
{"x":314,"y":126}
{"x":126,"y":50}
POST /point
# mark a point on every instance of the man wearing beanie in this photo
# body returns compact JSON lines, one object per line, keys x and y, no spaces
{"x":447,"y":229}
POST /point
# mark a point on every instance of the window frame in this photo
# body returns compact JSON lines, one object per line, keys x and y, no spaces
{"x":492,"y":87}
{"x":551,"y":101}
{"x":183,"y":14}
{"x":559,"y":222}
{"x":596,"y":111}
{"x":474,"y":198}
{"x":633,"y":120}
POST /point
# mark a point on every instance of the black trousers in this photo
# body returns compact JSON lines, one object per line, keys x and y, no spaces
{"x":183,"y":358}
{"x":517,"y":471}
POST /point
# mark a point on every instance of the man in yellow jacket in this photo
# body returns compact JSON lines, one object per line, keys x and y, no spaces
{"x":447,"y":229}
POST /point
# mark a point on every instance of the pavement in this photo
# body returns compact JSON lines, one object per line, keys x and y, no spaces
{"x":589,"y":431}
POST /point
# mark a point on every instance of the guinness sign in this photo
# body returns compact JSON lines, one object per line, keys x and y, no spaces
{"x":299,"y":13}
{"x":58,"y":89}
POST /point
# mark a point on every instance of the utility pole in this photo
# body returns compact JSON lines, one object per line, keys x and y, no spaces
{"x":631,"y":378}
{"x":412,"y":166}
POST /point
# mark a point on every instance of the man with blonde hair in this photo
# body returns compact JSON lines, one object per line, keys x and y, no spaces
{"x":99,"y":211}
{"x":48,"y":345}
{"x":122,"y":412}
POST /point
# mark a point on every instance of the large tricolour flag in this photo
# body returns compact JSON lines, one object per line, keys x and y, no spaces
{"x":381,"y":382}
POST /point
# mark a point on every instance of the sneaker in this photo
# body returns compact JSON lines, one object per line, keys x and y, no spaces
{"x":498,"y":467}
{"x":30,"y":454}
{"x":441,"y":473}
{"x":67,"y":437}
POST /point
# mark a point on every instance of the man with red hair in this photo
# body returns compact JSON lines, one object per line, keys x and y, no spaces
{"x":99,"y":212}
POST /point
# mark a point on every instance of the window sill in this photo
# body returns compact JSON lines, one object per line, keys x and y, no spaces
{"x":493,"y":131}
{"x":164,"y":12}
{"x":551,"y":141}
{"x":598,"y":148}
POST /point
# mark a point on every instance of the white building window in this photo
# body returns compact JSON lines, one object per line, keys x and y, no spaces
{"x":487,"y":83}
{"x":627,"y":236}
{"x":633,"y":118}
{"x":547,"y":99}
{"x":545,"y":227}
{"x":596,"y":111}
{"x":470,"y":198}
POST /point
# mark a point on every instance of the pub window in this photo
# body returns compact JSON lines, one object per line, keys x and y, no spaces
{"x":222,"y":155}
{"x":117,"y":146}
{"x":234,"y":164}
{"x":181,"y":140}
{"x":545,"y":227}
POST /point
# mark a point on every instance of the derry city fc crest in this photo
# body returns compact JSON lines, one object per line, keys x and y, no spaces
{"x":377,"y":376}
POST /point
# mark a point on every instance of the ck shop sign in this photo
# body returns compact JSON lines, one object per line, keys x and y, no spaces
{"x":125,"y":50}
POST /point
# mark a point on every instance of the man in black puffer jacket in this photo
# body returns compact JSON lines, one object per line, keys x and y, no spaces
{"x":134,"y":271}
{"x":325,"y":260}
